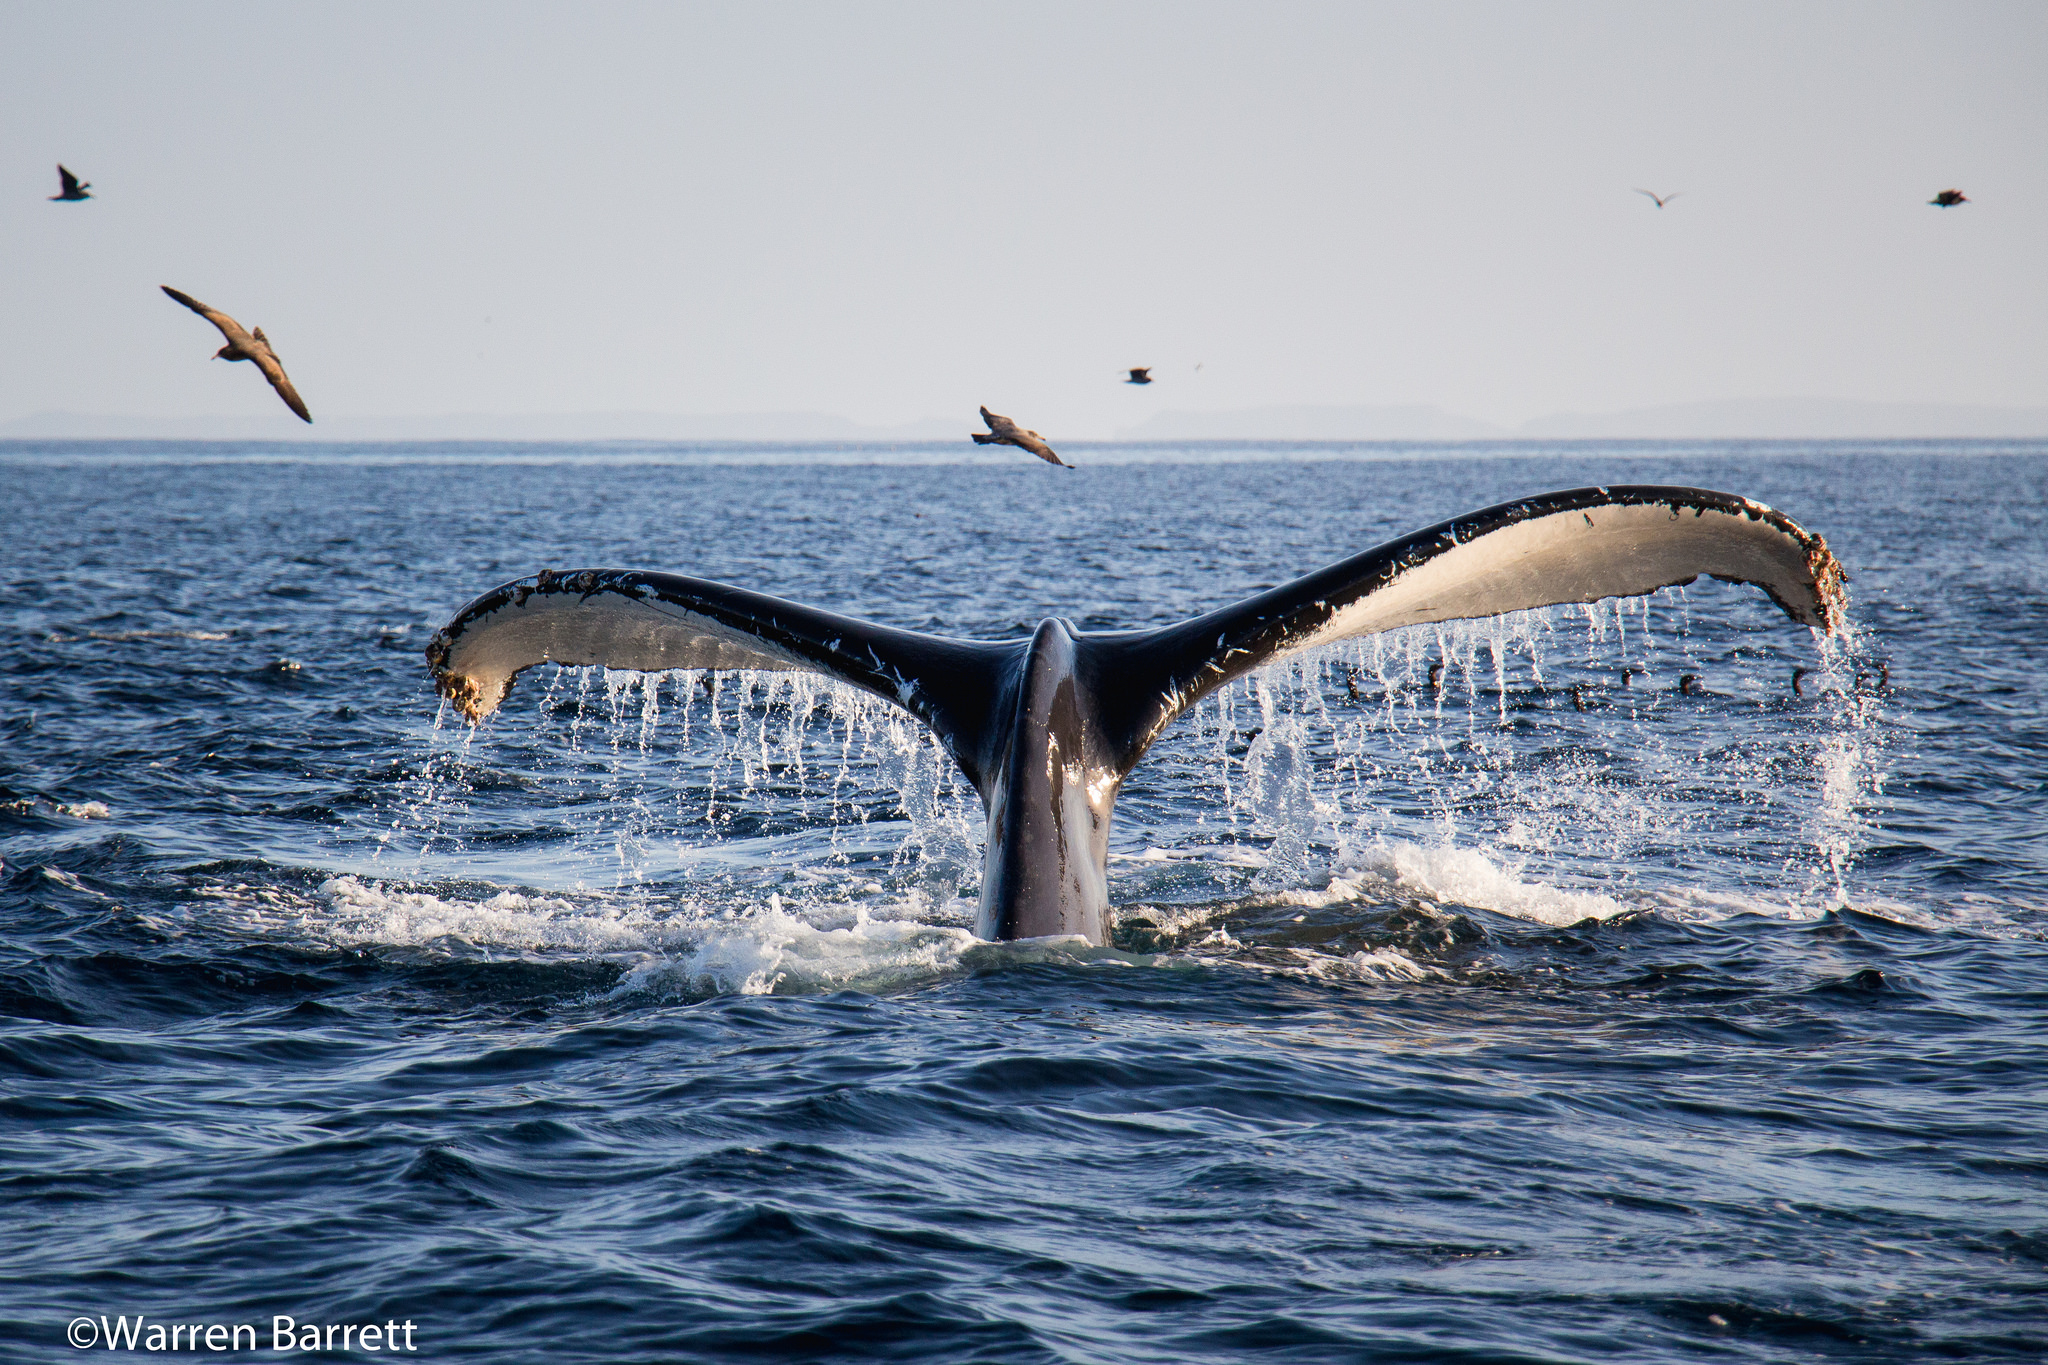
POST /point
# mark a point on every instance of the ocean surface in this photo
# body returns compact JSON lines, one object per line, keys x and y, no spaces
{"x":1444,"y":1021}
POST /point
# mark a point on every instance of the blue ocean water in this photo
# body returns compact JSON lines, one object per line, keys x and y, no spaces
{"x":1443,"y":1021}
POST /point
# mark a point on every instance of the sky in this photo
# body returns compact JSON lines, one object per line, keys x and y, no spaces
{"x":899,"y":211}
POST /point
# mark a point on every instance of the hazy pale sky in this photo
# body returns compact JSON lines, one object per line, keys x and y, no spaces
{"x":899,"y":211}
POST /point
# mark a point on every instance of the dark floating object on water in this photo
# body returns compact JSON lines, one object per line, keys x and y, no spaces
{"x":1661,"y":199}
{"x":1142,"y":374}
{"x":1882,"y":679}
{"x":1436,"y":675}
{"x":1948,"y":199}
{"x":1047,"y":729}
{"x":1579,"y":696}
{"x":73,"y":188}
{"x":1690,"y":685}
{"x":1797,"y":674}
{"x":1002,"y":431}
{"x":1628,"y":676}
{"x":243,"y":345}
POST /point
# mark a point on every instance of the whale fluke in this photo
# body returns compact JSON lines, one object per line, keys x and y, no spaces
{"x":1048,"y":728}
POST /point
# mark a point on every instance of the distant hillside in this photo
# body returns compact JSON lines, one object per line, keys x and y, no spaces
{"x":1735,"y":419}
{"x":554,"y":426}
{"x":1790,"y":418}
{"x":1313,"y":424}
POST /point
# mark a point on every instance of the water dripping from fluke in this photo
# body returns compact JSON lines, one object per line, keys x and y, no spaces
{"x":1049,"y":731}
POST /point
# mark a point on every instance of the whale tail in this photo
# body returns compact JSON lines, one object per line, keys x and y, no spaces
{"x":1048,"y":728}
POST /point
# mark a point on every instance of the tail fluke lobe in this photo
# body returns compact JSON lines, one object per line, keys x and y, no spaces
{"x":1580,"y":545}
{"x":656,"y":621}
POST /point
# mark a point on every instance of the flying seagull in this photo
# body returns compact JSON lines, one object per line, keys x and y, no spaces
{"x":74,"y":188}
{"x":1948,"y":199}
{"x":1004,"y":432}
{"x":1140,"y":374}
{"x":1661,"y":199}
{"x":247,"y":346}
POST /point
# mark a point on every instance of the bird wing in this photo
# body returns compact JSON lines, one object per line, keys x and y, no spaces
{"x":1033,"y":442}
{"x":229,"y":328}
{"x":1580,"y":545}
{"x":1004,"y":430}
{"x":70,"y":180}
{"x":267,"y":361}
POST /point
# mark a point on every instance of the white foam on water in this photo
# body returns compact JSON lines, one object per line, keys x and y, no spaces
{"x":81,"y":810}
{"x":1450,"y":875}
{"x":365,"y":914}
{"x":675,"y":950}
{"x":770,"y":951}
{"x":1387,"y":964}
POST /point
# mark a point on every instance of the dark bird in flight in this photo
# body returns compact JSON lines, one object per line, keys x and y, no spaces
{"x":1004,"y":432}
{"x":1948,"y":199}
{"x":1661,"y":199}
{"x":73,"y":187}
{"x":1140,"y":374}
{"x":247,"y":346}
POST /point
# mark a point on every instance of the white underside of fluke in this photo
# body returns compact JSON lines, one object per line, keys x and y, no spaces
{"x":611,"y":628}
{"x":1583,"y":556}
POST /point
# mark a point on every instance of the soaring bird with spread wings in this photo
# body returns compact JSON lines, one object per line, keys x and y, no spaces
{"x":245,"y":345}
{"x":1004,"y":432}
{"x":1660,"y":199}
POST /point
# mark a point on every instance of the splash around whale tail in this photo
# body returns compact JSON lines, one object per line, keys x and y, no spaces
{"x":1047,"y":728}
